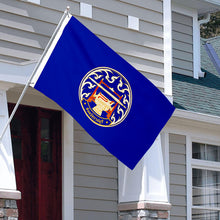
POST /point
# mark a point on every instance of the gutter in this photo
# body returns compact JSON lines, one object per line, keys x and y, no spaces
{"x":206,"y":19}
{"x":215,"y":2}
{"x":195,"y":116}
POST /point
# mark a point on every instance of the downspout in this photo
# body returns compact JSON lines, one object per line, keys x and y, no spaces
{"x":205,"y":20}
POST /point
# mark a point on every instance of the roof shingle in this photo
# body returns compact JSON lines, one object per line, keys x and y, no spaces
{"x":199,"y":95}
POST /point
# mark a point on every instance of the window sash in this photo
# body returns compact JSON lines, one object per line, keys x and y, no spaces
{"x":208,"y":163}
{"x":205,"y":165}
{"x":207,"y":152}
{"x":204,"y":213}
{"x":206,"y":188}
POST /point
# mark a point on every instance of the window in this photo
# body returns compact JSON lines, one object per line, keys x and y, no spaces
{"x":16,"y":138}
{"x":205,"y":181}
{"x":46,"y":140}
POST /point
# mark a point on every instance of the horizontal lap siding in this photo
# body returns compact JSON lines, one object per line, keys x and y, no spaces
{"x":26,"y":29}
{"x":95,"y":169}
{"x":95,"y":179}
{"x":177,"y":176}
{"x":143,"y":49}
{"x":182,"y":33}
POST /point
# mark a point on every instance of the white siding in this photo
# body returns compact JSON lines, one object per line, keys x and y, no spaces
{"x":26,"y":29}
{"x":177,"y":176}
{"x":182,"y":33}
{"x":95,"y":175}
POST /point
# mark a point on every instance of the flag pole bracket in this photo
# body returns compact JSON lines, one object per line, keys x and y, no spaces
{"x":29,"y":82}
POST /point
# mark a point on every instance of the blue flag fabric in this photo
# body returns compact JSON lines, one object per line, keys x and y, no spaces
{"x":111,"y":100}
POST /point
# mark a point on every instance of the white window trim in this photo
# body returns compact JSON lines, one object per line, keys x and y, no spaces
{"x":196,"y":36}
{"x":192,"y":127}
{"x":207,"y":165}
{"x":189,"y":176}
{"x":200,"y":164}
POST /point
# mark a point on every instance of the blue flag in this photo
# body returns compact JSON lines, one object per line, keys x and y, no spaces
{"x":110,"y":99}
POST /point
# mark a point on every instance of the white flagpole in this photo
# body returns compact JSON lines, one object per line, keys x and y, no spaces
{"x":66,"y":13}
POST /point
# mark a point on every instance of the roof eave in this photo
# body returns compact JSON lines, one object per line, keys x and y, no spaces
{"x":202,"y":6}
{"x":196,"y":116}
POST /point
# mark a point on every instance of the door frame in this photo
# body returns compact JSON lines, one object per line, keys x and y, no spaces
{"x":67,"y":166}
{"x":34,"y":99}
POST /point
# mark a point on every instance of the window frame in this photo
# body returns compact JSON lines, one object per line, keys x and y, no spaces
{"x":198,"y":164}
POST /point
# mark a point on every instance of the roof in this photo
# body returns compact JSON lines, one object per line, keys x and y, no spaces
{"x":200,"y":95}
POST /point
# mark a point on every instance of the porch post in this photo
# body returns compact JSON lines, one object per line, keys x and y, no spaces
{"x":143,"y":191}
{"x":8,"y":191}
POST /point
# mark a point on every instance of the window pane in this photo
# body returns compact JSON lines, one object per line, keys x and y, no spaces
{"x":213,"y":152}
{"x":206,"y":152}
{"x":17,"y":149}
{"x":206,"y":190}
{"x":16,"y":138}
{"x":198,"y":151}
{"x":46,"y":151}
{"x":45,"y":128}
{"x":212,"y":188}
{"x":199,"y":186}
{"x":199,"y":214}
{"x":16,"y":127}
{"x":199,"y":177}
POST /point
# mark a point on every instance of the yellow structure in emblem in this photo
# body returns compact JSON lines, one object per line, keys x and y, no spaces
{"x":102,"y":104}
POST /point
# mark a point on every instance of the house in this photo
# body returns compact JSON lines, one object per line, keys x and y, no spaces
{"x":197,"y":156}
{"x":57,"y":171}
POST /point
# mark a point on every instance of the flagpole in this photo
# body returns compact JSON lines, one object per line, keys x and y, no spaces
{"x":66,"y":13}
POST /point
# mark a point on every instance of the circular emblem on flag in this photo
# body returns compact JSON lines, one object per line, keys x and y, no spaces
{"x":105,"y":96}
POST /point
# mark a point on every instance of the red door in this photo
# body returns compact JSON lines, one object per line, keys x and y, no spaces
{"x":36,"y":141}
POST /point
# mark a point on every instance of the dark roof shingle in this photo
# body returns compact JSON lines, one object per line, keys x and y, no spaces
{"x":199,"y":95}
